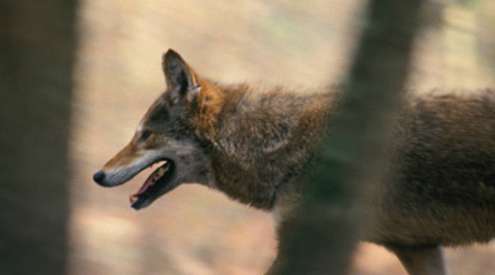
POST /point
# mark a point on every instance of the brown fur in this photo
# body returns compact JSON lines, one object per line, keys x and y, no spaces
{"x":443,"y":187}
{"x":255,"y":144}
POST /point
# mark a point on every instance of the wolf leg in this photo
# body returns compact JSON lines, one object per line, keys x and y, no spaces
{"x":421,"y":261}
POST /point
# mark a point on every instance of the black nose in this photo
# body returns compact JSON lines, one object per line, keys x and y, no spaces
{"x":99,"y":177}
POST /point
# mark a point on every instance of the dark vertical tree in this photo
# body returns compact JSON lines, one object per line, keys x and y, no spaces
{"x":323,"y":236}
{"x":37,"y":41}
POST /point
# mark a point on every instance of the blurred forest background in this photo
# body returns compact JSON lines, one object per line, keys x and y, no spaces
{"x":112,"y":52}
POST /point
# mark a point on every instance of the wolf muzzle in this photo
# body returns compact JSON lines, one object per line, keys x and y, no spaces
{"x":99,"y":177}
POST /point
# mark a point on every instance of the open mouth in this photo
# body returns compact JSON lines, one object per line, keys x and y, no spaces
{"x":156,"y":182}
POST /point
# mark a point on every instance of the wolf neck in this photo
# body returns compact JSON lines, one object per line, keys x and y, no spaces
{"x":263,"y":139}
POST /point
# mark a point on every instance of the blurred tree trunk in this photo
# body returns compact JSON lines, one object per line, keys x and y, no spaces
{"x":322,"y":237}
{"x":37,"y":41}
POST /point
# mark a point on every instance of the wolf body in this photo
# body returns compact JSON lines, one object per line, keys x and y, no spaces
{"x":255,"y":145}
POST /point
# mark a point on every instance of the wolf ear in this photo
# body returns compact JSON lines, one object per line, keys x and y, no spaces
{"x":181,"y":79}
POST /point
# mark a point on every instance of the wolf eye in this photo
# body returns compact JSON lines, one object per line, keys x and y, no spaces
{"x":145,"y":135}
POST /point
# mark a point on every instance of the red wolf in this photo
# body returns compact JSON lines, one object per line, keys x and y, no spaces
{"x":254,"y":145}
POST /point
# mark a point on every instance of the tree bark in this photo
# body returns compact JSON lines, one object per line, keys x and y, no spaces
{"x":322,"y":237}
{"x":37,"y":41}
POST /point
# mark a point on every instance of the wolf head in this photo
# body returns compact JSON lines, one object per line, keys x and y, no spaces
{"x":172,"y":133}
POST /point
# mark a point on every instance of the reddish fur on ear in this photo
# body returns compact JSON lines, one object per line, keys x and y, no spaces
{"x":208,"y":103}
{"x":179,"y":76}
{"x":186,"y":86}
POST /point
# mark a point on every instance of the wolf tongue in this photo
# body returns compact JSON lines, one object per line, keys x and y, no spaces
{"x":145,"y":186}
{"x":141,"y":190}
{"x":158,"y":173}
